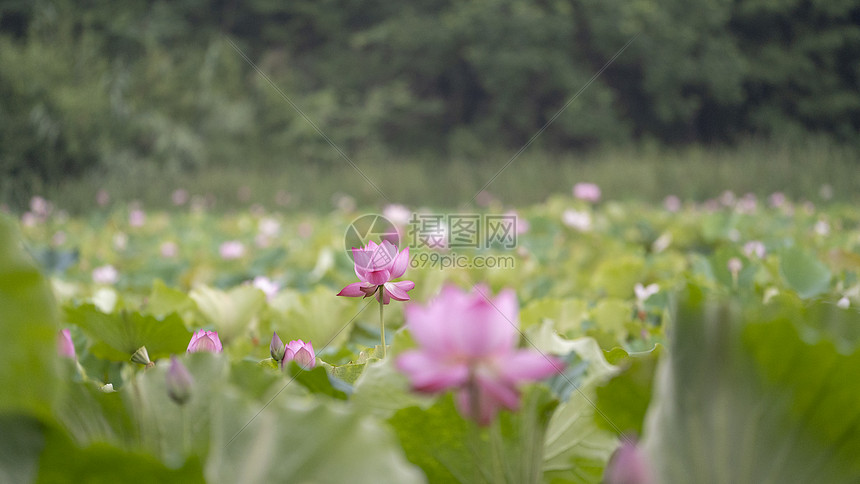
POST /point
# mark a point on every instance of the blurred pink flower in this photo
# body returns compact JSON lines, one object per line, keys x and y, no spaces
{"x":468,"y":343}
{"x":672,"y":203}
{"x":40,"y":206}
{"x":179,"y":197}
{"x":232,"y":249}
{"x":205,"y":341}
{"x":628,"y":465}
{"x":777,"y":199}
{"x":65,"y":346}
{"x":102,"y":197}
{"x":376,"y":266}
{"x":587,"y":191}
{"x":178,"y":381}
{"x":521,"y":223}
{"x":268,"y":286}
{"x":105,"y":274}
{"x":577,"y":220}
{"x":300,"y":352}
{"x":397,"y":214}
{"x":169,"y":249}
{"x":754,"y":247}
{"x":59,"y":238}
{"x":137,"y":218}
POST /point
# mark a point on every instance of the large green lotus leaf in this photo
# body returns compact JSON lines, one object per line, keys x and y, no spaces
{"x":164,"y":428}
{"x":20,"y":446}
{"x":451,"y":449}
{"x":382,"y":390}
{"x":803,"y":272}
{"x":297,"y":439}
{"x":317,"y":316}
{"x":617,"y":275}
{"x":742,"y":397}
{"x":62,"y":461}
{"x":91,"y":415}
{"x":117,"y":336}
{"x":566,"y":314}
{"x":28,"y":330}
{"x":232,"y":312}
{"x":624,"y":400}
{"x":576,"y":448}
{"x":164,"y":300}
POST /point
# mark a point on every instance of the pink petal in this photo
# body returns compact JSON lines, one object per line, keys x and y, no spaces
{"x":397,"y":290}
{"x":353,"y":290}
{"x":305,"y":359}
{"x":401,"y":262}
{"x":362,"y":260}
{"x":428,"y":325}
{"x":377,"y":278}
{"x":481,"y":328}
{"x":527,"y":365}
{"x":429,"y":373}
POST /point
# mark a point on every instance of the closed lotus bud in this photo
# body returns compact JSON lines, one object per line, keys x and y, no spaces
{"x":205,"y":341}
{"x":178,"y":382}
{"x":141,"y":356}
{"x":276,"y":348}
{"x":301,"y":352}
{"x":65,"y":347}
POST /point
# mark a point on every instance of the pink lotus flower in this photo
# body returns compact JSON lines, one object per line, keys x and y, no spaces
{"x":300,"y":352}
{"x":65,"y":346}
{"x":205,"y":341}
{"x":469,"y":343}
{"x":587,"y":191}
{"x":105,"y":274}
{"x":137,"y":218}
{"x":376,"y":266}
{"x":232,"y":249}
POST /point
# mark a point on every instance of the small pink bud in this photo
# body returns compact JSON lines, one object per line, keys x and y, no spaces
{"x":276,"y":348}
{"x":65,"y":346}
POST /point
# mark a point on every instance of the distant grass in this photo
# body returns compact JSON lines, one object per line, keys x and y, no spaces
{"x":798,"y":169}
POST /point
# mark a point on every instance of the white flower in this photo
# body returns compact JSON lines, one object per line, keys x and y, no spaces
{"x":577,"y":220}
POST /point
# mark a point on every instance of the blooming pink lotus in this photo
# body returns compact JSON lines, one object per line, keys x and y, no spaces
{"x":300,"y":352}
{"x":376,"y":266}
{"x":205,"y":341}
{"x":468,"y":342}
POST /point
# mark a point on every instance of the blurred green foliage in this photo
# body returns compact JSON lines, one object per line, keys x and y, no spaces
{"x":145,"y":86}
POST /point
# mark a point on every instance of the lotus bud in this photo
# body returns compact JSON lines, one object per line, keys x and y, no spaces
{"x":276,"y":348}
{"x":65,"y":346}
{"x":178,"y":381}
{"x":301,"y":352}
